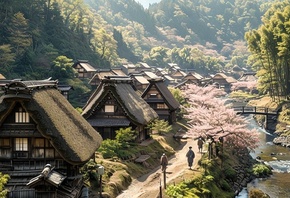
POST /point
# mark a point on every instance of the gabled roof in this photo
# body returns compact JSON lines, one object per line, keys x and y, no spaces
{"x":228,"y":79}
{"x":57,"y":120}
{"x":121,"y":88}
{"x":195,"y":75}
{"x":148,"y":74}
{"x":141,"y":79}
{"x":145,"y":65}
{"x":248,"y":77}
{"x":85,"y":65}
{"x":2,"y":77}
{"x":164,"y":91}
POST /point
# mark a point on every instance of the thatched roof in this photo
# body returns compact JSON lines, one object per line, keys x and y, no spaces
{"x":164,"y":91}
{"x":137,"y":109}
{"x":57,"y":120}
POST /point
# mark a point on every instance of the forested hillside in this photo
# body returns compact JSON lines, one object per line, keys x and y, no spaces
{"x":207,"y":36}
{"x":42,"y":38}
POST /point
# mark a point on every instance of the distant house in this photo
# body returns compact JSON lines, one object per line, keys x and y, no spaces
{"x":169,"y":81}
{"x":178,"y":75}
{"x":223,"y":81}
{"x":128,"y":68}
{"x":193,"y":77}
{"x":158,"y":96}
{"x":114,"y":105}
{"x":102,"y":73}
{"x":84,"y":69}
{"x":140,"y":82}
{"x":39,"y":128}
{"x":143,"y":67}
{"x":64,"y":90}
{"x":248,"y":77}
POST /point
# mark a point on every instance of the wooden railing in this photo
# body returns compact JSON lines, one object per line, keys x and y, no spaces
{"x":255,"y":110}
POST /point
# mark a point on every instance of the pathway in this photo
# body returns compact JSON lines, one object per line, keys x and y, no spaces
{"x":148,"y":185}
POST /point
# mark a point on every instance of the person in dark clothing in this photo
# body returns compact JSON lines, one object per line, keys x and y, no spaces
{"x":163,"y":162}
{"x":200,"y":144}
{"x":190,"y":157}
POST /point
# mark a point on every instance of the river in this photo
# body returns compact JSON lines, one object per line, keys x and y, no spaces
{"x":278,"y":157}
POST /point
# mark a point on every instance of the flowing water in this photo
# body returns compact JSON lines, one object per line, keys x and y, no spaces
{"x":278,"y":157}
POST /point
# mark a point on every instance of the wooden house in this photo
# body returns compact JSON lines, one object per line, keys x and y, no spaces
{"x":114,"y":105}
{"x":84,"y":69}
{"x":178,"y":75}
{"x":101,"y":73}
{"x":193,"y":77}
{"x":140,"y":82}
{"x":158,"y":96}
{"x":143,"y":67}
{"x":39,"y":127}
{"x":128,"y":68}
{"x":223,"y":81}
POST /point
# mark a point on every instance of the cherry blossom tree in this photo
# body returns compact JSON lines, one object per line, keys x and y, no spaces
{"x":250,"y":85}
{"x":209,"y":118}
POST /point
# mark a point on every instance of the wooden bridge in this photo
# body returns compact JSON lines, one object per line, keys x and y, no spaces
{"x":271,"y":114}
{"x":256,"y":110}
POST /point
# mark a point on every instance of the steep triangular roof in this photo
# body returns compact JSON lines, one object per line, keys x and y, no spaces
{"x":164,"y":91}
{"x":57,"y":120}
{"x":121,"y":89}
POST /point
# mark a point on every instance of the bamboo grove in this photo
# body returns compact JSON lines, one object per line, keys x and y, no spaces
{"x":269,"y":45}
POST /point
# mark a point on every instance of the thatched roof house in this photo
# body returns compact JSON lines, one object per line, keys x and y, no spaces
{"x":158,"y":96}
{"x":114,"y":105}
{"x":39,"y":126}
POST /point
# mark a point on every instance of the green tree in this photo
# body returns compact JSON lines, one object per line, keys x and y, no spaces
{"x":3,"y":180}
{"x":160,"y":126}
{"x":7,"y":57}
{"x":62,"y":68}
{"x":126,"y":135}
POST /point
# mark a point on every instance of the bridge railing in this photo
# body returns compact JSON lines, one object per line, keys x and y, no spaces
{"x":250,"y":109}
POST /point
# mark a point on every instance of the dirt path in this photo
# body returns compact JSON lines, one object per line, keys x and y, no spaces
{"x":147,"y":186}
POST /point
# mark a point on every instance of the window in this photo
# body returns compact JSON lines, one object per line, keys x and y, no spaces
{"x":5,"y":148}
{"x":161,"y":106}
{"x":21,"y":144}
{"x":4,"y":142}
{"x":21,"y":116}
{"x":153,"y":96}
{"x":42,"y":149}
{"x":109,"y":109}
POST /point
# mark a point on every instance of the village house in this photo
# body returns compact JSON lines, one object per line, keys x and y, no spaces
{"x":140,"y":82}
{"x":223,"y":81}
{"x":84,"y":69}
{"x":43,"y":141}
{"x":100,"y":74}
{"x":193,"y":77}
{"x":115,"y":105}
{"x":128,"y":68}
{"x":158,"y":96}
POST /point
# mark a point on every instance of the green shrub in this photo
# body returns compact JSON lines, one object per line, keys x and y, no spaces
{"x":109,"y":148}
{"x":225,"y":186}
{"x":261,"y":170}
{"x":230,"y":174}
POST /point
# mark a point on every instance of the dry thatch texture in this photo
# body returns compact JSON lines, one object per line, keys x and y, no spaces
{"x":70,"y":134}
{"x":134,"y":106}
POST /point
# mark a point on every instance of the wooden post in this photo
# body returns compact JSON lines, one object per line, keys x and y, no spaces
{"x":160,"y":190}
{"x":164,"y":178}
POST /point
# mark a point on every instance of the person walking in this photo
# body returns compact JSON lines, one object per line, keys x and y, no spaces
{"x":190,"y":157}
{"x":163,"y":162}
{"x":200,"y":144}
